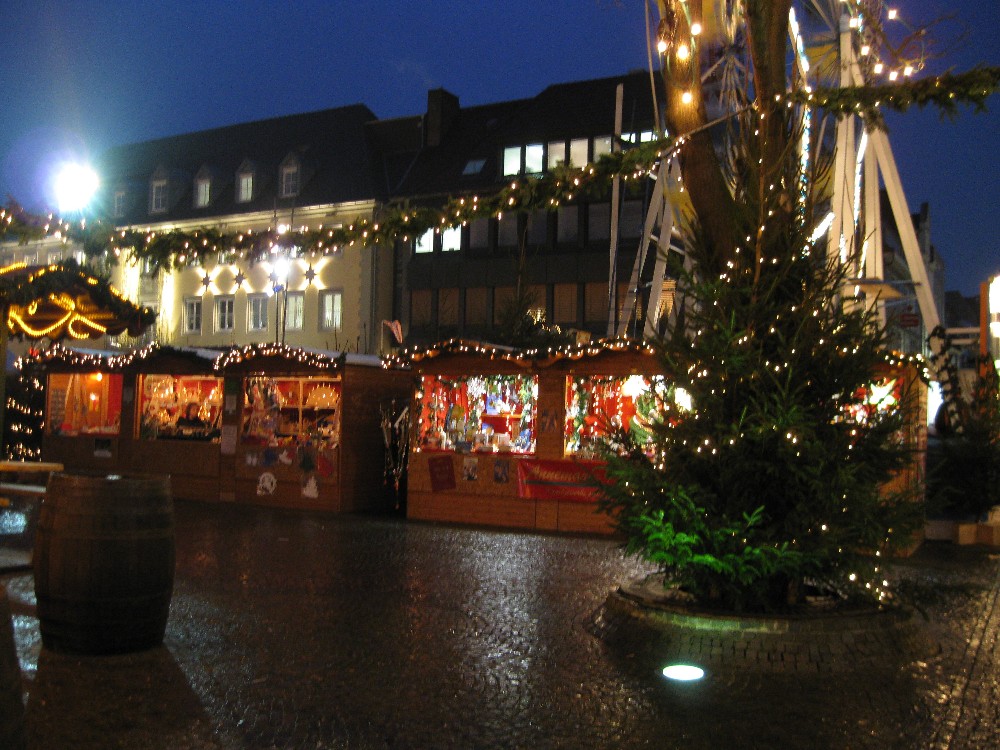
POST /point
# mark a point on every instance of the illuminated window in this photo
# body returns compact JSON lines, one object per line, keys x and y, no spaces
{"x":192,"y":316}
{"x":451,"y":239}
{"x":257,"y":312}
{"x":424,"y":243}
{"x":158,"y":196}
{"x":54,"y":256}
{"x":533,"y":155}
{"x":202,"y":192}
{"x":511,"y":161}
{"x":244,"y":192}
{"x":119,"y":208}
{"x":602,"y":146}
{"x":294,"y":310}
{"x":578,"y":152}
{"x":290,"y":177}
{"x":331,"y":309}
{"x":556,"y":154}
{"x":224,"y":313}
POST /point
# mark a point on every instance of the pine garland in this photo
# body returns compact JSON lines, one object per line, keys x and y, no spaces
{"x":181,"y":249}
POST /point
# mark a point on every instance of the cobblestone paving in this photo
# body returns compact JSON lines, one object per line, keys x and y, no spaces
{"x":302,"y":630}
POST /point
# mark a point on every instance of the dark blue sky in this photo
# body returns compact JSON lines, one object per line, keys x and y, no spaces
{"x":82,"y":75}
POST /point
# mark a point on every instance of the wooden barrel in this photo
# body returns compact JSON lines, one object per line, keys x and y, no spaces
{"x":11,"y":702}
{"x":104,"y":563}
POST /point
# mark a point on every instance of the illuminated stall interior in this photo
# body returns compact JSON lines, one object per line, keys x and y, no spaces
{"x":84,"y":403}
{"x":286,"y":411}
{"x":179,"y":407}
{"x":597,"y":405}
{"x":485,"y":413}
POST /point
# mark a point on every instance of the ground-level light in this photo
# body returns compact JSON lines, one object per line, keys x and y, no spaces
{"x":683,"y":672}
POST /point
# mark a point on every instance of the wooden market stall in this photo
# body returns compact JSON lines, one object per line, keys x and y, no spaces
{"x":503,"y":437}
{"x":263,"y":424}
{"x":303,"y":429}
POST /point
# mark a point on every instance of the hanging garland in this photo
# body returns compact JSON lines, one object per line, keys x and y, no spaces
{"x":177,"y":249}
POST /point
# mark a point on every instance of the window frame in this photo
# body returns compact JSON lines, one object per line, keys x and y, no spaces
{"x":224,"y":317}
{"x":244,"y":186}
{"x":338,"y":311}
{"x":202,"y":192}
{"x":193,"y":305}
{"x":257,"y":322}
{"x":291,"y":180}
{"x":158,"y":196}
{"x":300,"y":300}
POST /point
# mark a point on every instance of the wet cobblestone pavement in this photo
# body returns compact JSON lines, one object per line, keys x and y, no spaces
{"x":302,"y":630}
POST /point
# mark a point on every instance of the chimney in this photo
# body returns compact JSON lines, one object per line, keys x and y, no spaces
{"x":442,"y":108}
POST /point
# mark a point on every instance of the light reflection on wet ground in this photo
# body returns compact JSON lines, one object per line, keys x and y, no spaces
{"x":311,"y":631}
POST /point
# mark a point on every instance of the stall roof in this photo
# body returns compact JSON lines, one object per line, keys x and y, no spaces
{"x":196,"y":359}
{"x":294,"y":358}
{"x":524,"y":357}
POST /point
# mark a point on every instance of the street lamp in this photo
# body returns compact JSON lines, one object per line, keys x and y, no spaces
{"x":279,"y":279}
{"x":75,"y":185}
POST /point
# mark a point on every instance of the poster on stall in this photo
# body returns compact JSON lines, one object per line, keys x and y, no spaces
{"x":559,"y":480}
{"x":442,"y":473}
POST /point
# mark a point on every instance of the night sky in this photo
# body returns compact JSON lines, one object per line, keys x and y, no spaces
{"x":83,"y":75}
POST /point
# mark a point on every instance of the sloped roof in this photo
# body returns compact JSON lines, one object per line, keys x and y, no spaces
{"x":331,"y":145}
{"x":560,"y":112}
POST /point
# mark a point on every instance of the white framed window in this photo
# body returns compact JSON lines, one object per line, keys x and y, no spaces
{"x":534,"y":154}
{"x":158,"y":196}
{"x":290,"y":180}
{"x":425,"y":242}
{"x":244,"y":187}
{"x":257,"y":312}
{"x":54,"y":256}
{"x":451,"y":239}
{"x":202,"y":192}
{"x":30,"y":259}
{"x":578,"y":152}
{"x":511,"y":161}
{"x":224,"y":307}
{"x":556,"y":155}
{"x":192,"y":315}
{"x":119,"y":207}
{"x":331,"y":309}
{"x":295,"y":306}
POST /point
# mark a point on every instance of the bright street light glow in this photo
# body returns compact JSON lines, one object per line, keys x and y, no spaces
{"x":683,"y":672}
{"x":281,"y":270}
{"x":75,"y":185}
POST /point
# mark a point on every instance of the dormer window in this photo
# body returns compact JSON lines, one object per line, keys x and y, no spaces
{"x":202,"y":192}
{"x":244,"y":187}
{"x":158,"y":196}
{"x":119,"y":207}
{"x":290,"y":179}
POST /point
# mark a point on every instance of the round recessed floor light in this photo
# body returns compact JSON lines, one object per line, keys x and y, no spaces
{"x":683,"y":672}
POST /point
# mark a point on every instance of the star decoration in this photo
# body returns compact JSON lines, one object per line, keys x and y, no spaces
{"x":310,"y":274}
{"x":239,"y":279}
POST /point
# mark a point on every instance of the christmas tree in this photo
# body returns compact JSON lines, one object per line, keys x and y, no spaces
{"x":777,"y":477}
